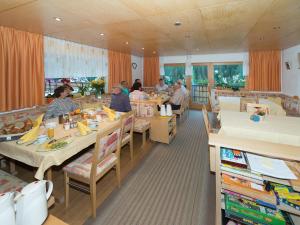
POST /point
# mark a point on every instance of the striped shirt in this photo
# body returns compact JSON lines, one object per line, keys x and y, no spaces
{"x":60,"y":106}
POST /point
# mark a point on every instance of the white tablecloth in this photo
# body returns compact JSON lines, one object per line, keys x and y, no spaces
{"x":233,"y":104}
{"x":30,"y":155}
{"x":276,"y":129}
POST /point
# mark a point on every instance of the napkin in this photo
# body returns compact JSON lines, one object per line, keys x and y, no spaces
{"x":83,"y":129}
{"x":38,"y":121}
{"x":31,"y":135}
{"x":110,"y":113}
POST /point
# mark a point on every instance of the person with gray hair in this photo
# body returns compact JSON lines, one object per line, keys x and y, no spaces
{"x":120,"y":101}
{"x":180,"y":83}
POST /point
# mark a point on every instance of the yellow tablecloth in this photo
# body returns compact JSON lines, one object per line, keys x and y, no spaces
{"x":30,"y":155}
{"x":276,"y":129}
{"x":233,"y":104}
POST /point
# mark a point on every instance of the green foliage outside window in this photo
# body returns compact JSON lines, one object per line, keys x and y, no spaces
{"x":173,"y":73}
{"x":200,"y":75}
{"x":229,"y":76}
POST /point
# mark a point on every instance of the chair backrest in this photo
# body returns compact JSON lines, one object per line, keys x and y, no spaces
{"x":127,"y":121}
{"x":253,"y":108}
{"x":107,"y":142}
{"x":244,"y":101}
{"x":206,"y":120}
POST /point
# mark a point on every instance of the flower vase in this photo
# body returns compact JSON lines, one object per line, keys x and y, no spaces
{"x":98,"y":94}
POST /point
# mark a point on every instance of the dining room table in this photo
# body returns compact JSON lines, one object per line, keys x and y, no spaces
{"x":42,"y":158}
{"x":233,"y":104}
{"x":276,"y":129}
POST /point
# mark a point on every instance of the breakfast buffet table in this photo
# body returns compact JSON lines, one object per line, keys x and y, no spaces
{"x":36,"y":155}
{"x":276,"y":129}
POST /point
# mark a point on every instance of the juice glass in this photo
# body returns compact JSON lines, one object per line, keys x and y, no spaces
{"x":50,"y":132}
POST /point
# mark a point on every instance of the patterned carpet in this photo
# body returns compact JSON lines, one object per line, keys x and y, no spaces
{"x":172,"y":186}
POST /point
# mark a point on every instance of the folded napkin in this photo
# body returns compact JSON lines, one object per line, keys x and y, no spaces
{"x":38,"y":121}
{"x":31,"y":135}
{"x":83,"y":129}
{"x":110,"y":113}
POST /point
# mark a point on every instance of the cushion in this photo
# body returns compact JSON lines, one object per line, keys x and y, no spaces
{"x":10,"y":183}
{"x":82,"y":166}
{"x":126,"y":138}
{"x":141,"y":125}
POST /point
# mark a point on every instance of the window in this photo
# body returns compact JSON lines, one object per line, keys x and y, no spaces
{"x":200,"y":75}
{"x":174,"y":72}
{"x":229,"y":75}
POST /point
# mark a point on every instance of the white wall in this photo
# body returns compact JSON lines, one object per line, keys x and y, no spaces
{"x":139,"y":71}
{"x":291,"y":78}
{"x":229,"y":57}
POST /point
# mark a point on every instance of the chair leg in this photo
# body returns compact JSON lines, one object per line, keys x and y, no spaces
{"x":67,"y":189}
{"x":12,"y":167}
{"x":118,"y":173}
{"x":93,"y":198}
{"x":144,"y":138}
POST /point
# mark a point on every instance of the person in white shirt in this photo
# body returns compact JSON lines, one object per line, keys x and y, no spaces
{"x":184,"y":90}
{"x":137,"y":94}
{"x":177,"y":97}
{"x":161,"y":86}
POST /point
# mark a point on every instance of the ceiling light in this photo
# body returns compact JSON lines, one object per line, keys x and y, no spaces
{"x":143,"y":48}
{"x":154,"y":52}
{"x":58,"y":19}
{"x":177,"y":23}
{"x":126,"y":42}
{"x":102,"y":34}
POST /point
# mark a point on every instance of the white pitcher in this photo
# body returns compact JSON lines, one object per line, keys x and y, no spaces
{"x":31,"y":203}
{"x":163,"y":110}
{"x":169,"y":110}
{"x":7,"y":209}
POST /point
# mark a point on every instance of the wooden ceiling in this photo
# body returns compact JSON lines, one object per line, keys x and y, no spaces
{"x":208,"y":26}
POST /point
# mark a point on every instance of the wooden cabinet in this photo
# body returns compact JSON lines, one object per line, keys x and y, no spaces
{"x":289,"y":154}
{"x":163,"y":129}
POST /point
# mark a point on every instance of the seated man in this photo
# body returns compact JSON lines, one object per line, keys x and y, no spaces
{"x":62,"y":104}
{"x":137,"y":94}
{"x":177,"y":97}
{"x":120,"y":101}
{"x":161,"y":86}
{"x":184,"y":90}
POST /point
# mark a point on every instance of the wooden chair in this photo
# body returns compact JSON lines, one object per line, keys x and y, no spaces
{"x":180,"y":112}
{"x":127,"y":121}
{"x":214,"y":107}
{"x":212,"y":151}
{"x":208,"y":127}
{"x":141,"y":126}
{"x":244,"y":101}
{"x":252,"y":108}
{"x":91,"y":166}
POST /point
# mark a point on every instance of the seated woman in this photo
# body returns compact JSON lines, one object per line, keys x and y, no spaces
{"x":120,"y":101}
{"x":136,"y":81}
{"x":62,"y":104}
{"x":137,"y":94}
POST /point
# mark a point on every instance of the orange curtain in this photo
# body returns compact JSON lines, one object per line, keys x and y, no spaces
{"x":151,"y":71}
{"x":264,"y":70}
{"x":119,"y":68}
{"x":21,"y":69}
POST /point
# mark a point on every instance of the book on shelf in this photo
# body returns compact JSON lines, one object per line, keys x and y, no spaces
{"x":248,"y":188}
{"x":252,"y":211}
{"x":241,"y":171}
{"x":233,"y":157}
{"x":261,"y":182}
{"x":239,"y":195}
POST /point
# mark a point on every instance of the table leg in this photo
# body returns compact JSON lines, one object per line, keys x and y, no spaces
{"x":12,"y":167}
